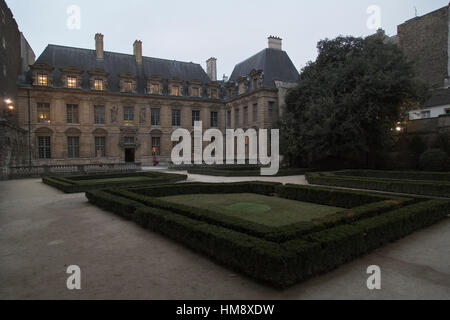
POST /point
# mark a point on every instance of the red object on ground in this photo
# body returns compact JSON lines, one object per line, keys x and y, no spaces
{"x":155,"y":162}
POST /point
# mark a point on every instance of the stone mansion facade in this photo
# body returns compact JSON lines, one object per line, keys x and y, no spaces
{"x":93,"y":106}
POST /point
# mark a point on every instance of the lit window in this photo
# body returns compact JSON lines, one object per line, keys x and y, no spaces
{"x":154,"y":88}
{"x":100,"y":147}
{"x":71,"y":82}
{"x":44,"y":151}
{"x":175,"y":91}
{"x":43,"y":113}
{"x":42,"y":80}
{"x":128,"y":86}
{"x":425,"y":114}
{"x":195,"y":92}
{"x":72,"y":113}
{"x":98,"y":85}
{"x":156,"y":146}
{"x":73,"y":147}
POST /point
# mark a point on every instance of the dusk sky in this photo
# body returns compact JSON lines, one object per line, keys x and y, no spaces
{"x":195,"y":30}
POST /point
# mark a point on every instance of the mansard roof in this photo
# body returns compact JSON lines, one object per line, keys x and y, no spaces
{"x":275,"y":64}
{"x":115,"y":64}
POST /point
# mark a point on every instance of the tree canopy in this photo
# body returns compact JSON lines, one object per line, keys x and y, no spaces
{"x":347,"y":102}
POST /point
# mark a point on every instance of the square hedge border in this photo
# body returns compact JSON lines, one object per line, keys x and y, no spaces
{"x":419,"y":183}
{"x":242,"y":171}
{"x":292,"y":256}
{"x":76,"y":184}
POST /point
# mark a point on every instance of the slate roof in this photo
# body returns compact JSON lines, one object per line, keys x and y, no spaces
{"x":117,"y":63}
{"x":440,"y":97}
{"x":275,"y":64}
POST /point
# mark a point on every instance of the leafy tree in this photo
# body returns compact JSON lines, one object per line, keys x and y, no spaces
{"x":344,"y":108}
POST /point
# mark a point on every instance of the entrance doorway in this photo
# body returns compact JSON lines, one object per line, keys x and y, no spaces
{"x":129,"y":155}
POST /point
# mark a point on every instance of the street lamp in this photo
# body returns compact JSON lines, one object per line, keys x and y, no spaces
{"x":8,"y":101}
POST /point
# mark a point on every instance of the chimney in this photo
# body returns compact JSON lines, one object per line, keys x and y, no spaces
{"x":99,"y":46}
{"x":137,"y":51}
{"x":275,"y":43}
{"x":211,"y":68}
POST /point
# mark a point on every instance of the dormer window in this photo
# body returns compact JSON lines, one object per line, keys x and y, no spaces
{"x":71,"y":82}
{"x":175,"y":91}
{"x":255,"y":83}
{"x":128,"y":86}
{"x":154,"y":88}
{"x":213,"y":93}
{"x":98,"y":85}
{"x":42,"y":80}
{"x":195,"y":92}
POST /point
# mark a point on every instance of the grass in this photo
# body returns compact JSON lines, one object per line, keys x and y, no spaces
{"x":269,"y":211}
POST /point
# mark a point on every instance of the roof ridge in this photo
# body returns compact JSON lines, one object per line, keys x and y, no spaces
{"x":124,"y":54}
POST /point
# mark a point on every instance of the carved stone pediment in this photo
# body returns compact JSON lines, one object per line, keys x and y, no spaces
{"x":73,"y":132}
{"x":43,"y":131}
{"x":100,"y":132}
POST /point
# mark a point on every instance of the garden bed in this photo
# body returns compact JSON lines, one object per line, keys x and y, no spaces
{"x":84,"y":183}
{"x":420,"y":183}
{"x":241,"y":171}
{"x":250,"y":228}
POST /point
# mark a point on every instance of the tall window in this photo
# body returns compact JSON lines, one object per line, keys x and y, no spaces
{"x":98,"y":84}
{"x":156,"y":117}
{"x":154,"y":88}
{"x":245,"y":115}
{"x":195,"y":116}
{"x":236,"y":118}
{"x":156,"y":146}
{"x":42,"y":80}
{"x":255,"y":83}
{"x":73,"y":147}
{"x":214,"y":119}
{"x":44,"y":151}
{"x":43,"y":113}
{"x":72,"y":113}
{"x":99,"y":114}
{"x":195,"y":92}
{"x":271,"y":110}
{"x":128,"y":114}
{"x":255,"y":112}
{"x":176,"y":117}
{"x":100,"y":147}
{"x":175,"y":91}
{"x":229,"y":119}
{"x":71,"y":82}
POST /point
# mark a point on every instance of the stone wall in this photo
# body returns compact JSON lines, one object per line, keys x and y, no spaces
{"x":424,"y":40}
{"x":14,"y":147}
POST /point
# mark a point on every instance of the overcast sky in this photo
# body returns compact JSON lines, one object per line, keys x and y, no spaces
{"x":230,"y":30}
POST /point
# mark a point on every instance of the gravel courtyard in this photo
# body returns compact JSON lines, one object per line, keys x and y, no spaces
{"x":43,"y":231}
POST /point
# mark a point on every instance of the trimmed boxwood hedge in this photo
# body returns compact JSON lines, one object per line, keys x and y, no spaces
{"x":279,"y":262}
{"x":242,"y":171}
{"x":429,"y":184}
{"x":84,"y":183}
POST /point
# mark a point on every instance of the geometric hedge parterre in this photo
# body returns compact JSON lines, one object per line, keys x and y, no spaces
{"x":283,"y":255}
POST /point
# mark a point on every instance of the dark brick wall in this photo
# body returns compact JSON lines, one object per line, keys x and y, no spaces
{"x":9,"y":57}
{"x":425,"y":41}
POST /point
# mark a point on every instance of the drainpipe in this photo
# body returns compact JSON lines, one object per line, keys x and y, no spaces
{"x":29,"y":127}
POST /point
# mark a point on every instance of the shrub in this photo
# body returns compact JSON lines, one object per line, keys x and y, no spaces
{"x":433,"y":160}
